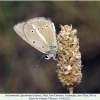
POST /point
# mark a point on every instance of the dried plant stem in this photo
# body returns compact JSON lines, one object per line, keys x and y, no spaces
{"x":71,"y":90}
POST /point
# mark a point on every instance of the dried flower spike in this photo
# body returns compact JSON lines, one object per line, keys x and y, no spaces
{"x":69,"y":57}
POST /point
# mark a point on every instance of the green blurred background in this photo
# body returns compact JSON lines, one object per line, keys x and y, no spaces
{"x":17,"y":58}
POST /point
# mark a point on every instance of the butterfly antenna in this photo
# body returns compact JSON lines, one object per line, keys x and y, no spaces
{"x":39,"y":61}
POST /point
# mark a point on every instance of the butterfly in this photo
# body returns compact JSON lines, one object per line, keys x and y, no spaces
{"x":40,"y":33}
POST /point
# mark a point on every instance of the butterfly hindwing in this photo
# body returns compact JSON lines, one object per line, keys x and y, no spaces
{"x":47,"y":29}
{"x":34,"y":37}
{"x":38,"y":34}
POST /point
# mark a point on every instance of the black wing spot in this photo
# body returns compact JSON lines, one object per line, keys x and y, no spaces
{"x":32,"y":31}
{"x":42,"y":28}
{"x":38,"y":28}
{"x":33,"y":41}
{"x":23,"y":34}
{"x":46,"y":26}
{"x":42,"y":46}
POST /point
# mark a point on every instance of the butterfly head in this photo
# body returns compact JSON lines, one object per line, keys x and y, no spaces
{"x":52,"y":52}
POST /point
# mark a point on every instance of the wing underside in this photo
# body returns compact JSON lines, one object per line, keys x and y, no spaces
{"x":38,"y":32}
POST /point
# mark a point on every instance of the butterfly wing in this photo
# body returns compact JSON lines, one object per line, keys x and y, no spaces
{"x":19,"y":30}
{"x":40,"y":33}
{"x":47,"y":29}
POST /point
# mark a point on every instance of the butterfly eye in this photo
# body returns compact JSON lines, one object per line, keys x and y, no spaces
{"x":46,"y":56}
{"x":33,"y":41}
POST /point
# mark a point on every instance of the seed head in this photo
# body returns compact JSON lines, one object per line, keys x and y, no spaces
{"x":69,"y":57}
